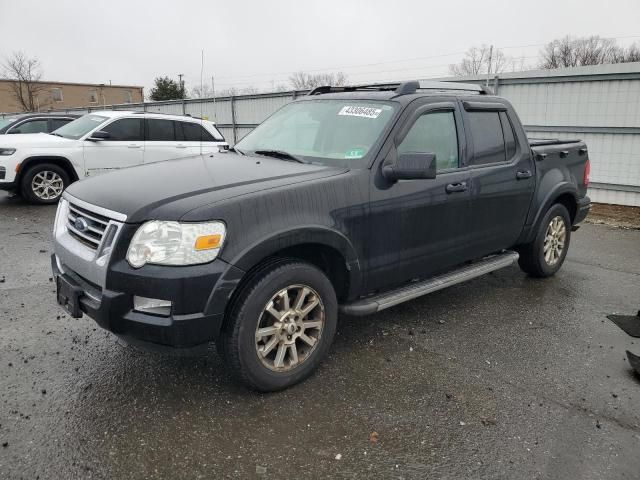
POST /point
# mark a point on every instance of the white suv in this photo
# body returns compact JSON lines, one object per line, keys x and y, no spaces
{"x":40,"y":166}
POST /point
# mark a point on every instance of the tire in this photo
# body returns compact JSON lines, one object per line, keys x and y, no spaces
{"x":255,"y":360}
{"x":554,"y":232}
{"x":44,"y":183}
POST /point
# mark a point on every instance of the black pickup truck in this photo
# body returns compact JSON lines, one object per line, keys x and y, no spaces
{"x":351,"y":199}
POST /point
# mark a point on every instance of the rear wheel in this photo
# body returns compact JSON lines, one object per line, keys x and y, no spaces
{"x":44,"y":183}
{"x":545,"y":255}
{"x":280,"y":326}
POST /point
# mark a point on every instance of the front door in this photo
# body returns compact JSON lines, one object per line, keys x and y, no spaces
{"x":123,"y":148}
{"x":419,"y":227}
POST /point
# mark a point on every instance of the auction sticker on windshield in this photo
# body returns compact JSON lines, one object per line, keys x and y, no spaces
{"x":366,"y":112}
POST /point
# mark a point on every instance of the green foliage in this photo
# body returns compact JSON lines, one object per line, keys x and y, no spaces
{"x":167,"y":89}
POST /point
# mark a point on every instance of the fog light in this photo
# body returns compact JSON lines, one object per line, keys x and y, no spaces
{"x":154,"y":306}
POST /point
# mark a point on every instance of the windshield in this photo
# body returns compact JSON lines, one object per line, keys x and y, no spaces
{"x":332,"y":132}
{"x":80,"y":127}
{"x":6,"y":121}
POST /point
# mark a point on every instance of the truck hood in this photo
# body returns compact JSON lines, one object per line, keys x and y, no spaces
{"x":34,"y":140}
{"x":168,"y":190}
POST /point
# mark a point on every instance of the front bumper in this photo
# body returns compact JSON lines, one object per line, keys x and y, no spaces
{"x":114,"y":311}
{"x":584,"y":205}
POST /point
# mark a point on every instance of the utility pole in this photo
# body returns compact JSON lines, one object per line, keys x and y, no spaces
{"x":213,"y":92}
{"x":489,"y":67}
{"x":180,"y":75}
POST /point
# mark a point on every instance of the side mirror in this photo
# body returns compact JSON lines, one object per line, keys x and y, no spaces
{"x":410,"y":166}
{"x":14,"y":131}
{"x":99,"y":135}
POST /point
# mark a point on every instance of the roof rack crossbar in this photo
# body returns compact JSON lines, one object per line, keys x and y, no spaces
{"x":408,"y":88}
{"x":381,"y":87}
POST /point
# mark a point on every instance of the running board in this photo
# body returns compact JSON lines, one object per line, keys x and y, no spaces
{"x":369,"y":305}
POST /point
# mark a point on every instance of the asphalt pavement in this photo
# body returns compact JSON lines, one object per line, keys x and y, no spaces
{"x":501,"y":377}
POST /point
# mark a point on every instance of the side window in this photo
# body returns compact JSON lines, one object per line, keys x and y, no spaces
{"x":194,"y":132}
{"x":488,"y":139}
{"x":509,"y":137}
{"x":125,"y":129}
{"x":31,"y":126}
{"x":56,"y":123}
{"x":434,"y":132}
{"x":160,"y":130}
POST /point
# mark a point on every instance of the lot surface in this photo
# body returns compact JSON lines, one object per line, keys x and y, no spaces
{"x":501,"y":377}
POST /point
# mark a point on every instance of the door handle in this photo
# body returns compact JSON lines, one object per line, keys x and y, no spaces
{"x":522,"y":174}
{"x":456,"y":187}
{"x":133,"y":145}
{"x":181,"y":146}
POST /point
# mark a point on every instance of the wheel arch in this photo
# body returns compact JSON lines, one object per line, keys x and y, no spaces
{"x":566,"y":194}
{"x":323,"y":247}
{"x":61,"y":161}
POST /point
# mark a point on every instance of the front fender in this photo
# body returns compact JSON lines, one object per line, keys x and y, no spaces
{"x":315,"y":234}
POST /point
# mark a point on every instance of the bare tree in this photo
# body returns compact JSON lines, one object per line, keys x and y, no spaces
{"x":25,"y":74}
{"x":204,"y":91}
{"x":233,"y":91}
{"x":480,"y":60}
{"x":305,"y":81}
{"x":594,"y":50}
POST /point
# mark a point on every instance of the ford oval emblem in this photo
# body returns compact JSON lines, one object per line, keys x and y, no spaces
{"x":81,"y":224}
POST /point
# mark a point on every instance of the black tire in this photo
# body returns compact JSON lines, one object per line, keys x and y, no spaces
{"x":38,"y":197}
{"x":532,"y":256}
{"x":238,"y":344}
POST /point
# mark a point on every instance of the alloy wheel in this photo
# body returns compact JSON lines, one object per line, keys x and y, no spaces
{"x":47,"y":185}
{"x":289,"y":328}
{"x":554,"y":240}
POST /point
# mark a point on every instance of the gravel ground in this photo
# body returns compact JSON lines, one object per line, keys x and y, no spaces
{"x":501,"y":377}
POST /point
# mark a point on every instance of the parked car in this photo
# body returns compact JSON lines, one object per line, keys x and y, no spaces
{"x":35,"y":122}
{"x":350,"y":199}
{"x":40,"y":166}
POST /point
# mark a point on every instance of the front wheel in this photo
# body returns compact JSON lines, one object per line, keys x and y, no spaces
{"x":280,"y":326}
{"x":44,"y":183}
{"x":545,"y":255}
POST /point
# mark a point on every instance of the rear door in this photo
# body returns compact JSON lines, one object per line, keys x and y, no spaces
{"x":161,"y":140}
{"x":123,"y":148}
{"x":419,"y":227}
{"x":502,"y":180}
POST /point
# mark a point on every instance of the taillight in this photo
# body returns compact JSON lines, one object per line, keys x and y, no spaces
{"x":587,"y":171}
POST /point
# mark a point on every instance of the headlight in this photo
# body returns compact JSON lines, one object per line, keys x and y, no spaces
{"x":173,"y":243}
{"x":5,"y":152}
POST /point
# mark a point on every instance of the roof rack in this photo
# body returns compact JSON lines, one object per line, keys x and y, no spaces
{"x":379,"y":87}
{"x":405,"y":88}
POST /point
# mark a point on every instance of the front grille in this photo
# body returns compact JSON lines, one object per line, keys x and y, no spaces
{"x":85,"y":226}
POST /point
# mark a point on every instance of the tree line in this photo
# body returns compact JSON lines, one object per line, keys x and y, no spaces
{"x":27,"y":88}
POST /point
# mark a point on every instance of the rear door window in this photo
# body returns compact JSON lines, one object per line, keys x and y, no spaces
{"x":159,"y":130}
{"x":194,"y":132}
{"x":125,"y":130}
{"x":31,"y":126}
{"x":509,"y":137}
{"x":488,"y":137}
{"x":56,"y":123}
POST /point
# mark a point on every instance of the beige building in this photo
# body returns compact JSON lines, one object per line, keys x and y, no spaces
{"x":58,"y":95}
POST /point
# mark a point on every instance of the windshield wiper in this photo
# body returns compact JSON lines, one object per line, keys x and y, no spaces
{"x":56,"y":134}
{"x":280,"y":154}
{"x":236,"y":150}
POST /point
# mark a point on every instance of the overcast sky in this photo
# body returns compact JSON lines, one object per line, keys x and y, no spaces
{"x":259,"y":43}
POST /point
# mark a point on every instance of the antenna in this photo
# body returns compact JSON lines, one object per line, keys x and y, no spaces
{"x":201,"y":83}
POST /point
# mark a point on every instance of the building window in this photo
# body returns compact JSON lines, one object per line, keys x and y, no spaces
{"x":93,"y":96}
{"x":56,"y":94}
{"x":127,"y":96}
